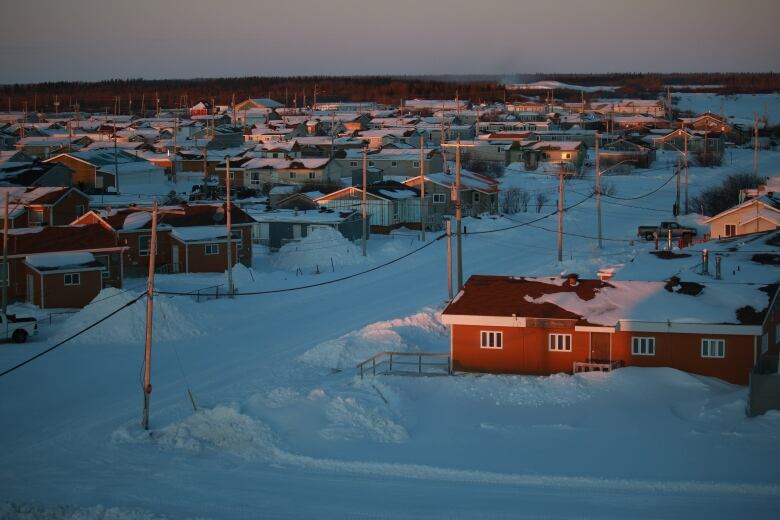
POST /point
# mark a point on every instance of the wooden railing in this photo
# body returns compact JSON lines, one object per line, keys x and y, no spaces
{"x":399,"y":363}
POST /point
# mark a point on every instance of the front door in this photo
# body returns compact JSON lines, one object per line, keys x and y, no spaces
{"x":30,"y":288}
{"x":600,"y":346}
{"x":175,"y":259}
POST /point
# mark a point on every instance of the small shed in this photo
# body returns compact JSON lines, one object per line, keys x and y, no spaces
{"x":57,"y":280}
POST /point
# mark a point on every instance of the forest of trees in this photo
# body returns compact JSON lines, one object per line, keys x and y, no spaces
{"x":101,"y":95}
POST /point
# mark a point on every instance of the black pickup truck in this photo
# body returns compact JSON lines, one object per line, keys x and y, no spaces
{"x":662,"y":231}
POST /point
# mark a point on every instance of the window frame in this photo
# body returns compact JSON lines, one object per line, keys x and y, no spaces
{"x":237,"y":234}
{"x":439,"y":198}
{"x":415,"y":164}
{"x":209,"y":246}
{"x":75,"y":279}
{"x":706,"y":344}
{"x":733,"y":228}
{"x":553,"y":340}
{"x":491,"y":339}
{"x":147,"y":250}
{"x":353,"y":164}
{"x":636,"y":345}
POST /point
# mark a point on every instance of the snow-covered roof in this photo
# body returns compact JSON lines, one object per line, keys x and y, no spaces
{"x":199,"y":233}
{"x":47,"y":261}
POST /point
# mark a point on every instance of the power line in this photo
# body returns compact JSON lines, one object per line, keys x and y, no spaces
{"x":343,"y":278}
{"x":646,"y":194}
{"x":82,"y":331}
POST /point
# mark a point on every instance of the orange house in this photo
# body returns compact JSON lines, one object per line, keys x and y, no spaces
{"x":543,"y":326}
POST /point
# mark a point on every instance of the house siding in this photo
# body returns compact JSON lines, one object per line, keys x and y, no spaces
{"x":58,"y":295}
{"x":525,"y":351}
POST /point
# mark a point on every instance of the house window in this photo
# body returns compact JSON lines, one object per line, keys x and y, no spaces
{"x":731,"y":230}
{"x":438,"y":198}
{"x":236,"y":234}
{"x":475,"y":196}
{"x":643,"y":346}
{"x":105,"y":274}
{"x":567,"y":156}
{"x":713,"y":348}
{"x":370,"y":163}
{"x":560,"y":342}
{"x":491,"y":339}
{"x":73,"y":279}
{"x":36,"y":217}
{"x":144,"y":245}
{"x":254,"y":178}
{"x":232,"y":176}
{"x":212,"y":249}
{"x":393,"y":163}
{"x":292,"y":175}
{"x":312,"y":175}
{"x":416,"y":164}
{"x":353,"y":164}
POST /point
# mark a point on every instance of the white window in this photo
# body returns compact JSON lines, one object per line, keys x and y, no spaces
{"x":312,"y":175}
{"x":236,"y":234}
{"x":713,"y":348}
{"x":292,"y":175}
{"x":144,"y":245}
{"x":643,"y":346}
{"x":491,"y":339}
{"x":567,"y":156}
{"x":73,"y":279}
{"x":560,"y":342}
{"x":731,"y":230}
{"x":393,"y":163}
{"x":438,"y":198}
{"x":416,"y":164}
{"x":353,"y":164}
{"x":254,"y":178}
{"x":212,"y":249}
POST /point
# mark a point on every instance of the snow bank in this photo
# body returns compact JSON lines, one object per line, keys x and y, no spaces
{"x":172,"y":319}
{"x":317,"y":250}
{"x":221,"y":429}
{"x":48,"y":512}
{"x":351,"y":419}
{"x":420,"y":332}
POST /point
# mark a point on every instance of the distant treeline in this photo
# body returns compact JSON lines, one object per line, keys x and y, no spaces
{"x":141,"y":94}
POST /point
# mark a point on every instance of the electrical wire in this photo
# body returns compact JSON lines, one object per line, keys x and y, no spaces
{"x":79,"y":333}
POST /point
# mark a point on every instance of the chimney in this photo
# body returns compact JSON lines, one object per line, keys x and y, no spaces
{"x":572,"y":279}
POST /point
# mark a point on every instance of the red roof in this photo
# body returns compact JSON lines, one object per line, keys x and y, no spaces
{"x":25,"y":241}
{"x":185,"y":215}
{"x":507,"y":296}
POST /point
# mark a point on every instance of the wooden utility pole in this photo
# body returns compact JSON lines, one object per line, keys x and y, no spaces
{"x":459,"y":216}
{"x":363,"y":205}
{"x":685,"y":157}
{"x":445,"y":166}
{"x":560,"y":214}
{"x":6,"y":277}
{"x":677,"y":198}
{"x":449,"y":259}
{"x":598,"y":192}
{"x":229,"y":230}
{"x":173,"y":157}
{"x":423,"y":206}
{"x":116,"y":159}
{"x":149,"y":320}
{"x":205,"y":170}
{"x":755,"y":145}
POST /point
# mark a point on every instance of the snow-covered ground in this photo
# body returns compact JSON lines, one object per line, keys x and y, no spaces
{"x":742,"y":106}
{"x":284,"y":427}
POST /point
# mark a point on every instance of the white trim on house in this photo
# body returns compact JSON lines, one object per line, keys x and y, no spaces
{"x":593,"y":328}
{"x":689,"y":328}
{"x":485,"y":321}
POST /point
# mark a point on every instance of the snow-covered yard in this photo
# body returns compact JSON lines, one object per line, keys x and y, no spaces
{"x":286,"y":429}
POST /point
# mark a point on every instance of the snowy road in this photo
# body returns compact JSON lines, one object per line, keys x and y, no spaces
{"x":284,"y":438}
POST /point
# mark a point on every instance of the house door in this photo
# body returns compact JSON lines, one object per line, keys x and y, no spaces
{"x":600,"y":346}
{"x":30,"y":288}
{"x":296,"y":229}
{"x":174,"y":259}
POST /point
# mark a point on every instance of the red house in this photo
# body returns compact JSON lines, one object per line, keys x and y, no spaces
{"x":503,"y":324}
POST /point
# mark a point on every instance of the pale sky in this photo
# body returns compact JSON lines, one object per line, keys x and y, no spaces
{"x":51,"y":40}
